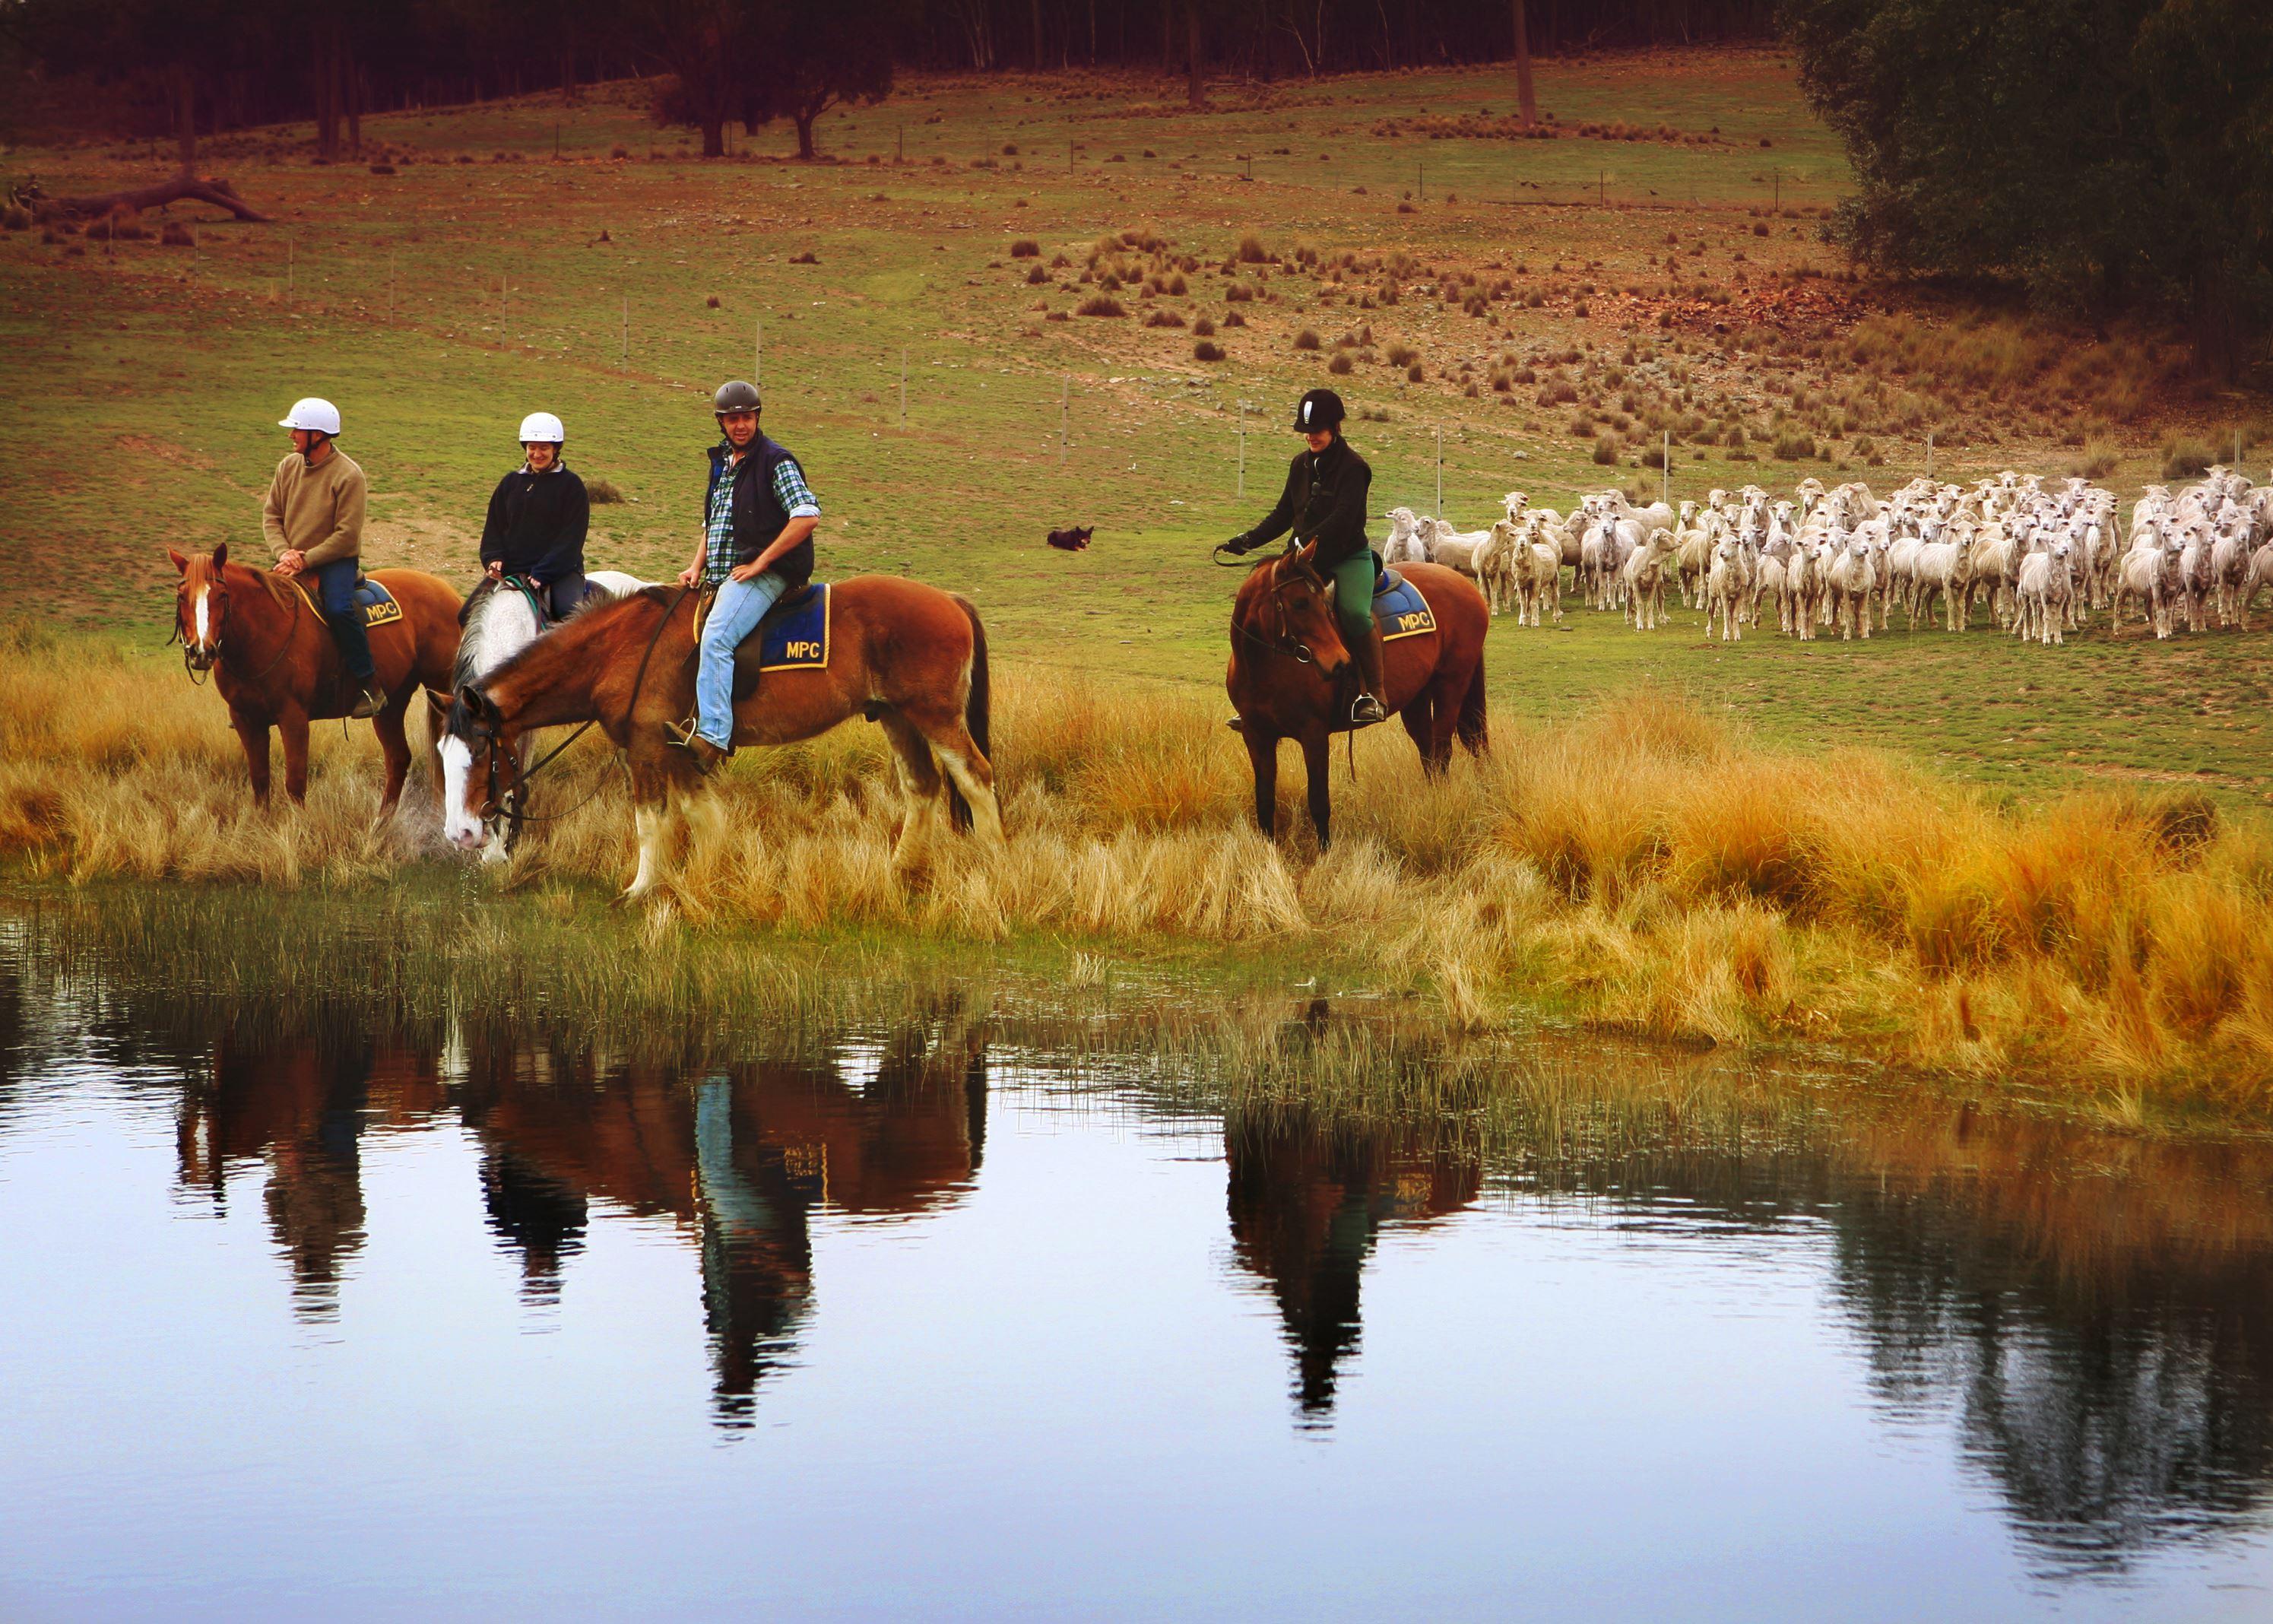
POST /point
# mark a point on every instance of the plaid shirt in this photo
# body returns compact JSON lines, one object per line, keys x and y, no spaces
{"x":788,"y":488}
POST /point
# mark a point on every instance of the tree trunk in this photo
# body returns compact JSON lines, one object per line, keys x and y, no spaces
{"x":1525,"y":96}
{"x":567,"y":69}
{"x":327,"y":90}
{"x":805,"y":131}
{"x":1034,"y":9}
{"x":355,"y":107}
{"x":220,"y":193}
{"x":185,"y":114}
{"x":1195,"y":88}
{"x":714,"y":135}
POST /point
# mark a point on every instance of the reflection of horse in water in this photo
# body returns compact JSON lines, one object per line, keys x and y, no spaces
{"x":1309,"y":1197}
{"x":739,"y":1159}
{"x":301,"y":1109}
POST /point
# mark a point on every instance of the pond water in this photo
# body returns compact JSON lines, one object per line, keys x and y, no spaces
{"x":925,"y":1321}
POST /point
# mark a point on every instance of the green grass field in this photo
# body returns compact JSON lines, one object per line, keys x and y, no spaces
{"x":139,"y":383}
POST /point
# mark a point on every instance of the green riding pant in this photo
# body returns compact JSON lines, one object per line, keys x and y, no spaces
{"x":1352,"y":580}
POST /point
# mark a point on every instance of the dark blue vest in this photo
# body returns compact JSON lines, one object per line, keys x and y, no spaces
{"x":759,"y":515}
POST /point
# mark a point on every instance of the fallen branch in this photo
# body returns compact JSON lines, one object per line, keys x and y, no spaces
{"x":133,"y":201}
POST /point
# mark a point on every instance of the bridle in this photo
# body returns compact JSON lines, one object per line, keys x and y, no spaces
{"x":1283,"y":641}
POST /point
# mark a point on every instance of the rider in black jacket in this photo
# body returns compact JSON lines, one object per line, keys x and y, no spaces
{"x":538,"y":518}
{"x":1325,"y":501}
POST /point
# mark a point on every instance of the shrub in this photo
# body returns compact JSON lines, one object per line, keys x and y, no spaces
{"x":1099,"y":304}
{"x":1204,"y":328}
{"x":176,"y":234}
{"x":1036,"y":275}
{"x":14,"y":218}
{"x":1413,"y":374}
{"x":1164,"y":319}
{"x":807,"y":258}
{"x":1252,"y":251}
{"x":1606,"y":450}
{"x":1239,"y":293}
{"x":1307,"y":339}
{"x":602,"y":492}
{"x":1339,"y":365}
{"x":712,"y":302}
{"x":2182,"y":459}
{"x":1652,"y":457}
{"x":2097,"y":459}
{"x":1232,"y":318}
{"x":1025,"y":248}
{"x":1404,"y":208}
{"x":1207,"y":350}
{"x":1794,"y":447}
{"x":1582,"y":425}
{"x":382,"y":169}
{"x":1176,"y":284}
{"x":1403,"y":355}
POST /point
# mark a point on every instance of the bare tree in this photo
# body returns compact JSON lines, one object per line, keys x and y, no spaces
{"x":1526,"y":97}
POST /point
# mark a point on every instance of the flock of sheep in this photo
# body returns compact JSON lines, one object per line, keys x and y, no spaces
{"x":2041,"y":558}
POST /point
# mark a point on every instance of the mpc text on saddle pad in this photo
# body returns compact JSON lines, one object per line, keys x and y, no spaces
{"x":377,"y":602}
{"x":1403,"y":613}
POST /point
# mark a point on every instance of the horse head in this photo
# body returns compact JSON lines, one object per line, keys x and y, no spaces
{"x":1291,"y":614}
{"x":201,"y":604}
{"x":481,"y":771}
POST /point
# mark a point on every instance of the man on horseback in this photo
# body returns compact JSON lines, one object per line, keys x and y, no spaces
{"x":1324,"y":502}
{"x":538,"y":519}
{"x":756,"y":545}
{"x":312,"y":515}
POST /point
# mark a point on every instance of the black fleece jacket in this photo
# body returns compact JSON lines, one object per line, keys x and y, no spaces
{"x":536,"y":523}
{"x":1324,"y":498}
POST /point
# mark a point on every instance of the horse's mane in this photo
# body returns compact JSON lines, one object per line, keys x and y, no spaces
{"x":590,"y":622}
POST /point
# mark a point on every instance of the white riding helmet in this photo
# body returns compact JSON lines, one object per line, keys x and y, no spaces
{"x":542,"y":428}
{"x":312,"y":413}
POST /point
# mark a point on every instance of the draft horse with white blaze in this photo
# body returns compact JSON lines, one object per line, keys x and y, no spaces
{"x":1287,"y":660}
{"x":277,"y":667}
{"x":908,"y":656}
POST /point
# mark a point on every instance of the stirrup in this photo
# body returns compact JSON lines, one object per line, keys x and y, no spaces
{"x":1365,"y":710}
{"x":707,"y":755}
{"x":1235,"y":722}
{"x":369,"y":704}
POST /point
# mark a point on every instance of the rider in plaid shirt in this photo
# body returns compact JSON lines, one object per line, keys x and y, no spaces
{"x":757,"y":544}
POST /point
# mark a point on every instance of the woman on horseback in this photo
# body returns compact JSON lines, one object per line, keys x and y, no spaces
{"x":538,"y":518}
{"x":1324,"y":502}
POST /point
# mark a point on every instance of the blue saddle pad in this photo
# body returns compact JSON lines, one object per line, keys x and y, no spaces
{"x":1402,"y":612}
{"x":377,"y":602}
{"x":793,"y":637}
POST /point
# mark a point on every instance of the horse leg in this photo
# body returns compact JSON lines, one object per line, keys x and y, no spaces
{"x":1263,"y":756}
{"x":394,"y":745}
{"x":252,"y":733}
{"x":921,"y":789}
{"x":1316,"y":757}
{"x":651,"y":788}
{"x":959,"y":751}
{"x":293,"y":726}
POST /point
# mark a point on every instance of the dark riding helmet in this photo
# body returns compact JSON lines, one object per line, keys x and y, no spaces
{"x":735,"y":395}
{"x":1320,"y":408}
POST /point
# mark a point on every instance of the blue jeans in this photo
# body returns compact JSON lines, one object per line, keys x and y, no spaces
{"x":734,"y":614}
{"x":336,"y":585}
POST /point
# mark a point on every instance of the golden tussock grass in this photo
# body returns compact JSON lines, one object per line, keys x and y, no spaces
{"x":1642,"y":865}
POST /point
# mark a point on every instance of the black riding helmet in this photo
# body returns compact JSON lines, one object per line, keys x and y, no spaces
{"x":735,"y":395}
{"x":1320,"y":408}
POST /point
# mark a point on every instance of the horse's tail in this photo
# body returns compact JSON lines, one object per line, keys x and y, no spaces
{"x":977,"y":710}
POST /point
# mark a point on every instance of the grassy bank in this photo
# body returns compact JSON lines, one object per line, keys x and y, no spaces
{"x":1642,"y":867}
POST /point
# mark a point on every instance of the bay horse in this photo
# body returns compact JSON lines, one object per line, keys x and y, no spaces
{"x":908,"y":656}
{"x":274,"y":662}
{"x":1287,"y":658}
{"x":498,"y":621}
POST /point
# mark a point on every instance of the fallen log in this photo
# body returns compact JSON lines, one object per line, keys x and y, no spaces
{"x":134,"y":201}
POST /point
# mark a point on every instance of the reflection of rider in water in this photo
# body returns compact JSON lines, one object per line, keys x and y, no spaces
{"x":1307,"y":1202}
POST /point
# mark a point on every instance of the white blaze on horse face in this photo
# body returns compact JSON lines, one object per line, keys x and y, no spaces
{"x":459,"y":826}
{"x":202,"y":621}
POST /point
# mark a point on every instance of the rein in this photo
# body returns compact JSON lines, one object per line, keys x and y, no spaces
{"x":197,"y":678}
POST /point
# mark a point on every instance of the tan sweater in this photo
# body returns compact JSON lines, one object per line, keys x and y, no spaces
{"x":316,"y":510}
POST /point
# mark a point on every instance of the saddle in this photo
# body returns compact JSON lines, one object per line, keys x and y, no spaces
{"x":377,"y":602}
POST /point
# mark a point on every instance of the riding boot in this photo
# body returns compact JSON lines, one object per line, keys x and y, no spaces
{"x":1367,"y":709}
{"x":354,"y":658}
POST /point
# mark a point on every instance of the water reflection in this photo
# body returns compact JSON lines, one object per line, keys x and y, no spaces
{"x":2095,"y":1315}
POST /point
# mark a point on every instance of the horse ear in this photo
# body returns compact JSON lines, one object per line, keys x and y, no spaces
{"x":473,"y":700}
{"x":221,"y":555}
{"x":181,"y":563}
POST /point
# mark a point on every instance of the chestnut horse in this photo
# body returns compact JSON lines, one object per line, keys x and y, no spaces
{"x":1287,"y":660}
{"x":274,"y":662}
{"x":903,"y":654}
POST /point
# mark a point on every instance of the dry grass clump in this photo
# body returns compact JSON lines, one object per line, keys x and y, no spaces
{"x":1643,"y":866}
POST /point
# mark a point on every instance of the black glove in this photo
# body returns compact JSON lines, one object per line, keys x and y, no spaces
{"x":1239,"y":545}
